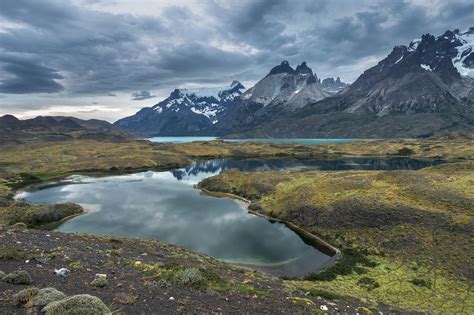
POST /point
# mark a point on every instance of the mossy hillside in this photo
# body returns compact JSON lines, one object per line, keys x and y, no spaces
{"x":54,"y":159}
{"x":391,"y":282}
{"x":36,"y":215}
{"x":455,"y":145}
{"x":25,"y":164}
{"x":14,"y":212}
{"x":412,"y":227}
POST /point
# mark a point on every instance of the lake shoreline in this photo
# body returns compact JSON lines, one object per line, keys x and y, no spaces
{"x":316,"y":241}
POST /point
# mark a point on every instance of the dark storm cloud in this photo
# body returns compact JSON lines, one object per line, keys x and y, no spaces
{"x":100,"y":52}
{"x":141,"y":95}
{"x":25,"y":76}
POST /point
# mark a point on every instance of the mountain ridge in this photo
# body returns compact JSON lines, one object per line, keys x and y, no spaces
{"x":418,"y":89}
{"x":57,"y":128}
{"x":183,"y":112}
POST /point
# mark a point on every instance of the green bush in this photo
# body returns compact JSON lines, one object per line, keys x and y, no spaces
{"x":405,"y":151}
{"x":368,"y":283}
{"x":188,"y":277}
{"x":351,"y":260}
{"x":421,"y":282}
{"x":18,"y":277}
{"x":83,"y":304}
{"x":328,"y":295}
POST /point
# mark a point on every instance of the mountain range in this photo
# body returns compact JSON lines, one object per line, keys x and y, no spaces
{"x":419,"y":89}
{"x":57,"y":128}
{"x":184,"y":112}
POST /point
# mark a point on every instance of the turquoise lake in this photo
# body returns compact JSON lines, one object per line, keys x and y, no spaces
{"x":270,"y":140}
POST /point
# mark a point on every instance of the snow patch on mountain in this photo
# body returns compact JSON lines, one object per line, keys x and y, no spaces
{"x":285,"y":85}
{"x":464,"y":60}
{"x":426,"y":67}
{"x":414,"y":44}
{"x":209,"y":102}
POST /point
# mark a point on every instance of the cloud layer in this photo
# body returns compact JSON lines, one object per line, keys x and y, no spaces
{"x":141,"y":95}
{"x":54,"y":50}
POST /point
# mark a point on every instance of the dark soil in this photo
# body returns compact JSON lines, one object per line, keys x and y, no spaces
{"x":130,"y":290}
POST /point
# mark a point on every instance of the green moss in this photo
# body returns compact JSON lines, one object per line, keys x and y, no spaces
{"x":351,"y":260}
{"x":19,"y":277}
{"x":37,"y":215}
{"x":325,"y":294}
{"x":368,"y":283}
{"x":83,"y":304}
{"x":33,"y":296}
{"x":11,"y":253}
{"x":376,"y":217}
{"x":25,"y":296}
{"x":99,"y":282}
{"x":421,"y":282}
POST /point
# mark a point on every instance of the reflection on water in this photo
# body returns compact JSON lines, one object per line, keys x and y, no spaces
{"x":165,"y":206}
{"x":197,"y":171}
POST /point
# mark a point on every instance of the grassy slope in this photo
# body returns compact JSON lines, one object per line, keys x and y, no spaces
{"x":414,"y":227}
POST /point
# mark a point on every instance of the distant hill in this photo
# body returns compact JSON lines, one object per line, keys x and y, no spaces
{"x":57,"y":128}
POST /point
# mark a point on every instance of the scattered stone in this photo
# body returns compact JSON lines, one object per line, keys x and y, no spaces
{"x":125,"y":298}
{"x":41,"y":260}
{"x":38,"y":297}
{"x":171,"y":298}
{"x":18,"y":277}
{"x":2,"y":274}
{"x":63,"y":272}
{"x":83,"y":304}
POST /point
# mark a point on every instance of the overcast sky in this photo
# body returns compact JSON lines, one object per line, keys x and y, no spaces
{"x":108,"y":58}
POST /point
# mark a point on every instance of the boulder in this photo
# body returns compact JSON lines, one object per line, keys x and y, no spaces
{"x":46,"y":296}
{"x":18,"y":277}
{"x":82,"y":304}
{"x":25,"y":295}
{"x":99,"y":282}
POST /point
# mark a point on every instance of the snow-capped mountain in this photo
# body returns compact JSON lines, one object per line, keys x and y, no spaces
{"x":456,"y":45}
{"x":282,"y":90}
{"x":184,"y":112}
{"x":417,"y":90}
{"x":295,"y":87}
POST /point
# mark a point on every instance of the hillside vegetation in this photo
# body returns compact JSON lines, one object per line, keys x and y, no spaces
{"x":404,"y":235}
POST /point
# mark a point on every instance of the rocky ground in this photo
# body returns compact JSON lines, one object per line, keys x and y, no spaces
{"x":144,"y":276}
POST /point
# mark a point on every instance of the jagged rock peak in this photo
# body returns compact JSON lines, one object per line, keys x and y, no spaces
{"x":284,"y":67}
{"x":331,"y":85}
{"x":177,"y":93}
{"x":237,"y":85}
{"x":303,"y":68}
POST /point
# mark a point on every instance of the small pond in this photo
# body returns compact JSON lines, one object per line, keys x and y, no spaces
{"x":166,"y":206}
